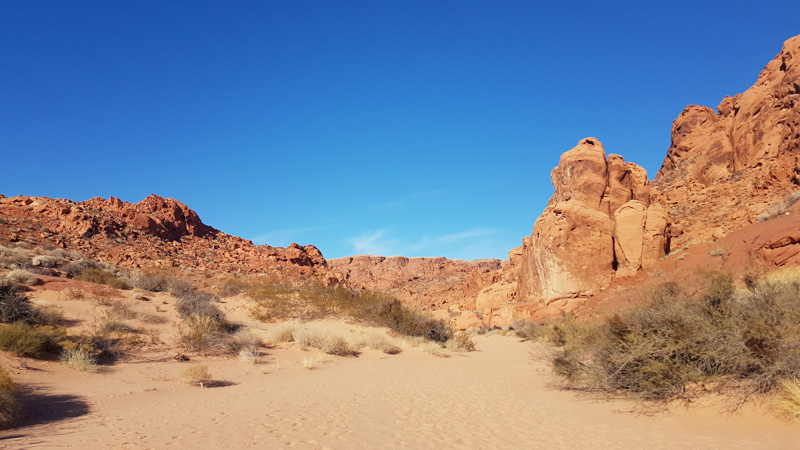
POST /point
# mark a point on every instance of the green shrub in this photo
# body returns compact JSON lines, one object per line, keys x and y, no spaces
{"x":23,"y":339}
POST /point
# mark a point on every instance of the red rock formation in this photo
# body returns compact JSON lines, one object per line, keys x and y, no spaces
{"x":431,"y":282}
{"x":726,"y":168}
{"x":156,"y":232}
{"x":598,"y":224}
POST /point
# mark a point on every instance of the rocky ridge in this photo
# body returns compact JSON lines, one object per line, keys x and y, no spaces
{"x":154,"y":233}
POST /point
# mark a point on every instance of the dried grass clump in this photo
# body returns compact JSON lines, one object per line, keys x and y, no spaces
{"x":460,"y":342}
{"x":47,"y":261}
{"x":23,"y":339}
{"x":14,"y":258}
{"x":199,"y":332}
{"x":379,"y":341}
{"x":48,"y":314}
{"x":8,"y":405}
{"x":106,"y":277}
{"x":426,"y":346}
{"x":22,"y":276}
{"x":787,"y":403}
{"x":72,"y":294}
{"x":196,"y":374}
{"x":323,"y":339}
{"x":248,"y":355}
{"x":79,"y":358}
{"x":283,"y":332}
{"x":244,"y":340}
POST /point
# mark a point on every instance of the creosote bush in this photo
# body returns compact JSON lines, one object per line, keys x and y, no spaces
{"x":745,"y":340}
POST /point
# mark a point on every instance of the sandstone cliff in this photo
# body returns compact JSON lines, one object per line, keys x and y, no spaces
{"x":731,"y":167}
{"x":598,"y":225}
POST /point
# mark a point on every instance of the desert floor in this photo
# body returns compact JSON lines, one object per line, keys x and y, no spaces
{"x":496,"y":397}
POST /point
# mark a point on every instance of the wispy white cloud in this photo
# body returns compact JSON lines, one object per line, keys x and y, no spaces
{"x":374,"y":243}
{"x":438,"y":242}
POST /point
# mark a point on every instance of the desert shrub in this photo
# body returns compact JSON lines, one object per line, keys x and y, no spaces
{"x":196,"y":374}
{"x":199,"y":332}
{"x":47,"y":261}
{"x":248,"y":355}
{"x":180,"y":287}
{"x":23,"y":339}
{"x":527,"y":329}
{"x":243,"y":340}
{"x":8,"y":405}
{"x":409,"y":322}
{"x":74,"y":268}
{"x":14,"y":258}
{"x":21,"y":276}
{"x":14,"y":303}
{"x":322,"y":339}
{"x":151,"y":282}
{"x":234,"y":286}
{"x":48,"y":315}
{"x":427,"y":346}
{"x":379,"y":341}
{"x":100,"y":276}
{"x":746,"y":340}
{"x":460,"y":342}
{"x":283,"y":332}
{"x":193,"y":302}
{"x":79,"y":358}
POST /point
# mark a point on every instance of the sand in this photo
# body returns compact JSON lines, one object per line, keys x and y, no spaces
{"x":496,"y":397}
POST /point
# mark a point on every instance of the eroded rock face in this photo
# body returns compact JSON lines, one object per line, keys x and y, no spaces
{"x":598,"y":225}
{"x":725,"y":168}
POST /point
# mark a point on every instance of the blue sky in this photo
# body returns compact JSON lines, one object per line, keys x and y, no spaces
{"x":421,"y":128}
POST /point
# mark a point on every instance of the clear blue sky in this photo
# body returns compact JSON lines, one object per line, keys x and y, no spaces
{"x":422,"y":128}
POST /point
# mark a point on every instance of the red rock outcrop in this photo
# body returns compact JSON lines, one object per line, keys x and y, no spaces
{"x":598,"y":225}
{"x":156,"y":232}
{"x":431,"y":282}
{"x":726,"y":168}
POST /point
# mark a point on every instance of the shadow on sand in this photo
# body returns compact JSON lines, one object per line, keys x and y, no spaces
{"x":36,"y":406}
